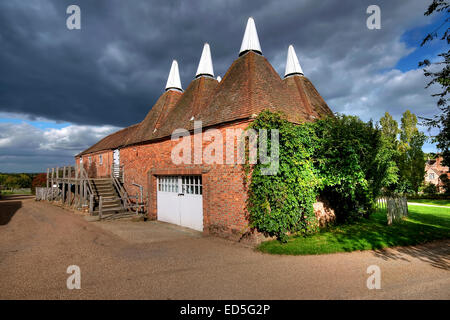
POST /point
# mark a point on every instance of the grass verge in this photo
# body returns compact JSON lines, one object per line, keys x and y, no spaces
{"x":423,"y":224}
{"x":433,"y":202}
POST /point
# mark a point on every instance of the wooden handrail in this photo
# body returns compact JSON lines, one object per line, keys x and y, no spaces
{"x":85,"y":176}
{"x":123,"y":196}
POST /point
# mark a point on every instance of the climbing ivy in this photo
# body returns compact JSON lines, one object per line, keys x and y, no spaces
{"x":283,"y":203}
{"x":341,"y":159}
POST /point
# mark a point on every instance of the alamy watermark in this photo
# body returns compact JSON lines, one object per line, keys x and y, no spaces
{"x":374,"y":20}
{"x":236,"y":146}
{"x":74,"y":280}
{"x":73,"y":22}
{"x":374,"y":280}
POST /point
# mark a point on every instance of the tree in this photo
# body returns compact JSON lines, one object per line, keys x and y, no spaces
{"x":430,"y":189}
{"x":411,"y":160}
{"x":389,"y":129}
{"x":354,"y":163}
{"x":390,"y":147}
{"x":12,"y":182}
{"x":439,"y":73}
{"x":39,"y":180}
{"x":24,"y":181}
{"x":446,"y":182}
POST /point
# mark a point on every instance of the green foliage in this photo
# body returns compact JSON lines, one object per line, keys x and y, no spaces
{"x":16,"y":180}
{"x":430,"y":189}
{"x":439,"y":73}
{"x":341,"y":159}
{"x":283,"y":203}
{"x":355,"y":163}
{"x":411,"y":161}
{"x":423,"y":224}
{"x":406,"y":151}
{"x":446,"y":182}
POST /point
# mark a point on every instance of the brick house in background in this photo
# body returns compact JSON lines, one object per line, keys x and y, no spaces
{"x":206,"y":197}
{"x":433,"y":170}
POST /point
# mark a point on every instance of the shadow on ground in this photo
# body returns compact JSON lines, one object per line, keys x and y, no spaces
{"x":436,"y":254}
{"x":8,"y":207}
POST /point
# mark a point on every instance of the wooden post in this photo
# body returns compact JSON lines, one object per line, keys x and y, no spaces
{"x":85,"y":192}
{"x":69,"y":186}
{"x":137,"y":204}
{"x":91,"y":204}
{"x":100,"y":204}
{"x":63,"y":195}
{"x":76,"y":195}
{"x":53,"y":183}
{"x":125,"y":202}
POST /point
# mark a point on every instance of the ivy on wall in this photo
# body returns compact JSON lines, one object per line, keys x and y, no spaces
{"x":341,"y":159}
{"x":283,"y":203}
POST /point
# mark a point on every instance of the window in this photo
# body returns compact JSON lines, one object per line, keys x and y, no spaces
{"x":168,"y":184}
{"x":100,"y":159}
{"x":191,"y":184}
{"x":90,"y":159}
{"x":431,"y":176}
{"x":81,"y":159}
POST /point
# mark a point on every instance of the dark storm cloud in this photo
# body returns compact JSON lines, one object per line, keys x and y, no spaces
{"x":114,"y":68}
{"x":111,"y":71}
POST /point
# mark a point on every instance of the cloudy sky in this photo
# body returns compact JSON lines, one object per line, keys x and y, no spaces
{"x":61,"y":90}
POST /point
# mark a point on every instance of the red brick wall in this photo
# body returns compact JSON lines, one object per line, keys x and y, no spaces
{"x":224,"y":197}
{"x":102,"y":170}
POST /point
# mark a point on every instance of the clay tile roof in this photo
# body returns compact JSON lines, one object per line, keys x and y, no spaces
{"x":112,"y":141}
{"x":194,"y":99}
{"x":304,"y":95}
{"x":250,"y":86}
{"x":155,"y":118}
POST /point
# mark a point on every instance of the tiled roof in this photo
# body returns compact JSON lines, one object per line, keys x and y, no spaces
{"x":194,"y":99}
{"x":112,"y":141}
{"x":250,"y":86}
{"x":155,"y":117}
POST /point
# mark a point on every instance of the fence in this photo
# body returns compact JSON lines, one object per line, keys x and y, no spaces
{"x":396,"y":207}
{"x":47,"y":193}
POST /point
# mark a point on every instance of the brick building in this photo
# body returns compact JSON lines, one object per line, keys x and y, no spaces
{"x":209,"y":197}
{"x":433,"y":170}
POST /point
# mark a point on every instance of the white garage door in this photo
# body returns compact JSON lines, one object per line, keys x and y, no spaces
{"x":180,"y":201}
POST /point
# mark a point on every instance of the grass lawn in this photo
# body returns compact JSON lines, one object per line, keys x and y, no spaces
{"x":433,"y":202}
{"x":423,"y":224}
{"x":16,"y":191}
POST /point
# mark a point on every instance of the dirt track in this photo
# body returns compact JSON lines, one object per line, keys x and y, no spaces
{"x":39,"y":241}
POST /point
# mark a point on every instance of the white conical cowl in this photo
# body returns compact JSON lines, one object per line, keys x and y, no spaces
{"x":292,"y":64}
{"x":173,"y":81}
{"x":250,"y":42}
{"x":219,"y":78}
{"x":205,"y":66}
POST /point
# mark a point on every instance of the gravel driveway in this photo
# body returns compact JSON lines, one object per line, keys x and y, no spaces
{"x":151,"y":260}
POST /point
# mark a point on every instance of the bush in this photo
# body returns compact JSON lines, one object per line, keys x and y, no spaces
{"x":446,"y":182}
{"x":430,"y":189}
{"x":437,"y":196}
{"x":355,"y":163}
{"x":39,"y":181}
{"x":343,"y":160}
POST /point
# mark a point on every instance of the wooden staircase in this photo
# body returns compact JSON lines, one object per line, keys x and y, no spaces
{"x":111,"y":203}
